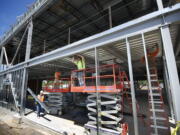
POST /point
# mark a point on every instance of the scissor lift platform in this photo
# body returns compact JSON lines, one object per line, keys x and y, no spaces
{"x":109,"y":76}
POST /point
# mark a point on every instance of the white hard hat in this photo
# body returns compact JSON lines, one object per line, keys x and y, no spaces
{"x":41,"y":92}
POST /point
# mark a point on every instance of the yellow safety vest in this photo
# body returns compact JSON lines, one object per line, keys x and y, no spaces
{"x":80,"y":64}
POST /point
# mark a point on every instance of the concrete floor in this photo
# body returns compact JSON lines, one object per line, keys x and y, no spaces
{"x":73,"y":120}
{"x":57,"y":124}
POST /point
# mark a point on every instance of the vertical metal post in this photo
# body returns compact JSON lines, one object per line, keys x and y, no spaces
{"x":5,"y":54}
{"x":110,"y":17}
{"x":149,"y":82}
{"x":98,"y":101}
{"x":29,"y":41}
{"x":44,"y":51}
{"x":19,"y":58}
{"x":136,"y":130}
{"x":167,"y":88}
{"x":25,"y":74}
{"x":172,"y":70}
{"x":1,"y":58}
{"x":69,"y":36}
{"x":159,"y":4}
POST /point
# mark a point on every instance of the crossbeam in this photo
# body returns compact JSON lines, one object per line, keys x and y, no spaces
{"x":143,"y":24}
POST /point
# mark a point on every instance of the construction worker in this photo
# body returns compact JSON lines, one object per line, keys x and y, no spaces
{"x":176,"y":131}
{"x":57,"y":81}
{"x":79,"y":61}
{"x":151,"y":54}
{"x":38,"y":106}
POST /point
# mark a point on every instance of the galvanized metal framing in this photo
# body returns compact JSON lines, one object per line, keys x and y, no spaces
{"x":168,"y":89}
{"x":136,"y":130}
{"x":25,"y":73}
{"x":142,"y":24}
{"x":172,"y":69}
{"x":146,"y":23}
{"x":159,"y":4}
{"x":69,"y":36}
{"x":29,"y":40}
{"x":98,"y":101}
{"x":5,"y":55}
{"x":36,"y":8}
{"x":1,"y":58}
{"x":110,"y":17}
{"x":18,"y":48}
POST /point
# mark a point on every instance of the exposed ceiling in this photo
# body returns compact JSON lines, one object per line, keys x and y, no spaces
{"x":82,"y":18}
{"x":109,"y":54}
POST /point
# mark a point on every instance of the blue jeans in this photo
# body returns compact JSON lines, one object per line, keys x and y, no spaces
{"x":39,"y":109}
{"x":80,"y":78}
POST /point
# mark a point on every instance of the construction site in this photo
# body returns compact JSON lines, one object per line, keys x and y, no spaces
{"x":103,"y":67}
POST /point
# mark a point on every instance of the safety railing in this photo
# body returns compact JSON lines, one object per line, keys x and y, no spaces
{"x":61,"y":85}
{"x":109,"y":78}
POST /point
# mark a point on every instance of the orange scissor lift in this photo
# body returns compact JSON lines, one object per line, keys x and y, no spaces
{"x":60,"y":86}
{"x":111,"y":87}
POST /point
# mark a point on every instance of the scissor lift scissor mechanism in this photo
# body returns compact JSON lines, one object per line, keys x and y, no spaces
{"x":112,"y":84}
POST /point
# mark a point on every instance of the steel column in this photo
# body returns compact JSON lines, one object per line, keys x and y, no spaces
{"x":25,"y":73}
{"x":5,"y":55}
{"x":172,"y":69}
{"x":44,"y":49}
{"x":1,"y":58}
{"x":159,"y":4}
{"x":136,"y":130}
{"x":69,"y":36}
{"x":29,"y":41}
{"x":167,"y":88}
{"x":98,"y":101}
{"x":110,"y":17}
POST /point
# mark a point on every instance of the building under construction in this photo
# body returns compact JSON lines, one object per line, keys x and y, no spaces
{"x":130,"y":52}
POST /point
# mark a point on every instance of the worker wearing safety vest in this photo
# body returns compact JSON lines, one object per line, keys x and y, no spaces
{"x":38,"y":106}
{"x":151,"y":53}
{"x":79,"y":61}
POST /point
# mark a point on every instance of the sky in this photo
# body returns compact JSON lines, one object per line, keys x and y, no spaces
{"x":9,"y":10}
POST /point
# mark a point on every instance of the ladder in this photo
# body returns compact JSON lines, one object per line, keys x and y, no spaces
{"x":158,"y":118}
{"x":127,"y":94}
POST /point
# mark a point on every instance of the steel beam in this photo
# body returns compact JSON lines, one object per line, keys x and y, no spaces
{"x":167,"y":88}
{"x":98,"y":97}
{"x":159,"y":4}
{"x":172,"y":69}
{"x":110,"y":17}
{"x":38,"y":7}
{"x":143,"y":24}
{"x":69,"y":36}
{"x":29,"y":41}
{"x":19,"y":45}
{"x":25,"y":73}
{"x":136,"y":131}
{"x":5,"y":55}
{"x":1,"y":58}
